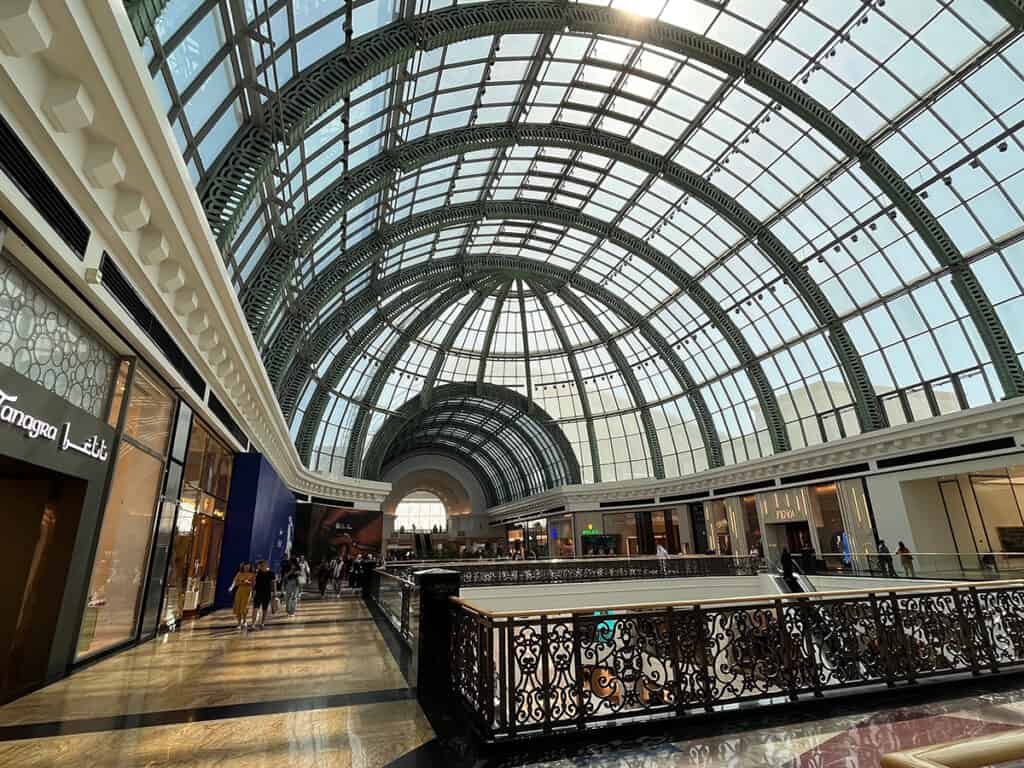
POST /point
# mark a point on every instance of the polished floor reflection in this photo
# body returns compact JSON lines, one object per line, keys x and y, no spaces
{"x":318,"y":689}
{"x":324,"y":689}
{"x":855,"y":740}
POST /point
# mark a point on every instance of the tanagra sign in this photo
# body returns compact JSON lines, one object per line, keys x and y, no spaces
{"x":94,"y":447}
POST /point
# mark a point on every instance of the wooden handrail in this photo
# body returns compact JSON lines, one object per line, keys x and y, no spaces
{"x":590,"y":610}
{"x":967,"y":753}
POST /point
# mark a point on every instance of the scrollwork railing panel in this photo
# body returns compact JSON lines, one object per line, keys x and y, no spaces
{"x":541,"y":673}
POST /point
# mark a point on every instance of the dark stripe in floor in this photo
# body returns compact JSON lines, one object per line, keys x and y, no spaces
{"x":296,"y":624}
{"x":199,"y":714}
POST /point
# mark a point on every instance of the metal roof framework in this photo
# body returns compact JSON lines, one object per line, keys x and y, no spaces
{"x":801,"y":279}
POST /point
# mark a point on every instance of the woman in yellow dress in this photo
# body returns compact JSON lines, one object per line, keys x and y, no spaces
{"x":242,"y":586}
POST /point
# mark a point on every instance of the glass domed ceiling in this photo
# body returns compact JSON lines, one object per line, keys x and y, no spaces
{"x":693,"y":233}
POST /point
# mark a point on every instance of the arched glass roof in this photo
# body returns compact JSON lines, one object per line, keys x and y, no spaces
{"x":693,"y":233}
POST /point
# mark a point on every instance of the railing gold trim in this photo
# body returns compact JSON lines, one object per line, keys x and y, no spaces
{"x":968,"y":753}
{"x":993,"y":584}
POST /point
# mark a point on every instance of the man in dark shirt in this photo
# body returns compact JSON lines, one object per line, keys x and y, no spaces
{"x":262,"y":592}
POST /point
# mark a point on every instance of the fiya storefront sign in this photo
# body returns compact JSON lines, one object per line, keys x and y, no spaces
{"x":35,"y":428}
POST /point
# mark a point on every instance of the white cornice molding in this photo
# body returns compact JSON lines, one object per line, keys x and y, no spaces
{"x":1001,"y":419}
{"x":81,"y":89}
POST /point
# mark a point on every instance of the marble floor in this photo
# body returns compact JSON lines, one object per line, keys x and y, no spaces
{"x":326,"y":688}
{"x":317,"y":689}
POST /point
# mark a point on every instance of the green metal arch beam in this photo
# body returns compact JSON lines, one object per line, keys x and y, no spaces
{"x":344,"y":359}
{"x":563,"y":216}
{"x":458,"y":324}
{"x":563,"y":339}
{"x":357,"y":441}
{"x":248,"y":159}
{"x":412,"y":408}
{"x":628,"y":377}
{"x":489,"y":437}
{"x":268,"y":277}
{"x":502,"y":455}
{"x":405,"y":336}
{"x":290,"y":388}
{"x":512,"y":266}
{"x":490,"y":493}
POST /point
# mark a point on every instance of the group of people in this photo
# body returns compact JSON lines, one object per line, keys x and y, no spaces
{"x":341,"y":570}
{"x":255,"y":586}
{"x":259,"y":587}
{"x":885,"y":558}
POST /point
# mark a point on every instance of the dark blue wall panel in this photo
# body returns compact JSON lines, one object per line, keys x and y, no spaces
{"x":260,"y":520}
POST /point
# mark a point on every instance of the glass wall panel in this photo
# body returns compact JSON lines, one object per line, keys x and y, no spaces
{"x":199,"y":530}
{"x":118,"y":574}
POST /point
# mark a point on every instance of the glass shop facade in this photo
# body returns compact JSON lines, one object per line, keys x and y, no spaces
{"x":115,"y":494}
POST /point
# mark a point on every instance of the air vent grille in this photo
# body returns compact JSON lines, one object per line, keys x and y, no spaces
{"x":35,"y":183}
{"x":119,"y":287}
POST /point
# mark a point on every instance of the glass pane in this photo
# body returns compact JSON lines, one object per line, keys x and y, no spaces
{"x":118,"y":573}
{"x":150,"y":409}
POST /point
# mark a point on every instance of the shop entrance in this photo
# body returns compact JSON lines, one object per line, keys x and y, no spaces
{"x":796,"y":537}
{"x":41,"y":513}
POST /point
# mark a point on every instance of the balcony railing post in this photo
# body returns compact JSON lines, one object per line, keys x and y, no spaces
{"x":582,"y":685}
{"x":677,"y":664}
{"x":902,"y":638}
{"x":485,"y":637}
{"x":501,"y":682}
{"x":807,"y":618}
{"x":966,"y":632}
{"x":703,"y":654}
{"x":789,"y":658}
{"x":510,"y":634}
{"x":883,"y":643}
{"x":545,"y":650}
{"x":984,"y":626}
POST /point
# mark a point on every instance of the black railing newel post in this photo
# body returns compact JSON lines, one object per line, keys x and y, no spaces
{"x":677,"y":663}
{"x":582,"y":684}
{"x":545,"y":649}
{"x":703,"y":640}
{"x":985,"y":635}
{"x":810,"y":645}
{"x":510,"y":633}
{"x":435,"y":673}
{"x":903,"y":638}
{"x":884,"y":649}
{"x":966,"y":632}
{"x":789,"y":659}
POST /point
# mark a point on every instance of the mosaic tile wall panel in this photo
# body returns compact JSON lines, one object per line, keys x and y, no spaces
{"x":42,"y":341}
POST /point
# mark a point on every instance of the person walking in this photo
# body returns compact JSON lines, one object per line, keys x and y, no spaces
{"x":786,"y":561}
{"x":241,"y":585}
{"x":885,"y":558}
{"x":303,"y":576}
{"x":906,"y":560}
{"x":262,"y":592}
{"x":323,"y":577}
{"x":291,"y":572}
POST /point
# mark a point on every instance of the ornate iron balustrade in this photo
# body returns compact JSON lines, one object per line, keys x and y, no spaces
{"x":520,"y":675}
{"x":496,"y":573}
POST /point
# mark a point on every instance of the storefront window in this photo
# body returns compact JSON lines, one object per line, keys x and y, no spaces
{"x":537,"y":539}
{"x":621,"y":534}
{"x":562,"y":537}
{"x":718,"y":521}
{"x":118,"y":574}
{"x":199,"y":531}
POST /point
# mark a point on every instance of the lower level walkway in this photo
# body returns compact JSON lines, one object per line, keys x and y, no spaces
{"x":317,"y":689}
{"x":323,"y":689}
